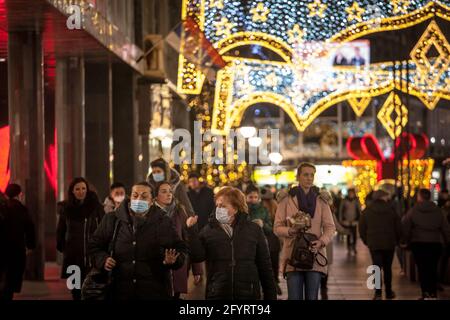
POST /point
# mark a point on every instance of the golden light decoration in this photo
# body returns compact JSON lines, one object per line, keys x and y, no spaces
{"x":359,"y":105}
{"x":393,"y":107}
{"x":317,"y":8}
{"x":260,"y":12}
{"x":366,"y":177}
{"x":223,"y":27}
{"x":427,"y":70}
{"x":296,"y":34}
{"x":272,"y":80}
{"x":218,"y":4}
{"x":355,"y":12}
{"x":286,"y":35}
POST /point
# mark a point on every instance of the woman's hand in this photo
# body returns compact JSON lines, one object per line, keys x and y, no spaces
{"x":171,"y":256}
{"x":110,"y":263}
{"x":191,"y":221}
{"x":197,"y":279}
{"x":316,"y":246}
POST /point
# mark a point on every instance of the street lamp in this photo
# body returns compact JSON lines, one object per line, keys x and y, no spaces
{"x":254,"y":141}
{"x":247,"y":132}
{"x":276,"y":158}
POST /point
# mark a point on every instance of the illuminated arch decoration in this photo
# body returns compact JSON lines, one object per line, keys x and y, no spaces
{"x":280,"y":24}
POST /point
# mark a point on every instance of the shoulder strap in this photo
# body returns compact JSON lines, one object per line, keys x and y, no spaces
{"x":112,"y":243}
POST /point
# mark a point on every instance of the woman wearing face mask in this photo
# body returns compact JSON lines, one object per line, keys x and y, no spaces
{"x":176,"y":212}
{"x":115,"y":197}
{"x":79,"y":217}
{"x":235,"y":251}
{"x":162,"y":172}
{"x":147,"y":248}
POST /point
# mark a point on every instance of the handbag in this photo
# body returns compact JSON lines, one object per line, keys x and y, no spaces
{"x":97,"y":284}
{"x":302,"y":257}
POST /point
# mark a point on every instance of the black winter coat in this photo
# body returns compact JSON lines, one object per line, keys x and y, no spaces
{"x":203,"y":204}
{"x":19,"y":235}
{"x":139,"y":273}
{"x":379,"y":226}
{"x":76,"y":225}
{"x":236,"y":267}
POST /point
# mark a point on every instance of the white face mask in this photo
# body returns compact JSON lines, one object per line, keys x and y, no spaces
{"x":222,"y":215}
{"x":158,"y":177}
{"x":118,"y":199}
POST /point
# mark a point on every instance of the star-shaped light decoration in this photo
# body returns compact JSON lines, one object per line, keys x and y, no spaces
{"x":317,"y":8}
{"x":355,"y":12}
{"x":218,"y":4}
{"x":223,"y":27}
{"x":271,"y":80}
{"x":296,"y":34}
{"x":400,"y":6}
{"x":260,"y":12}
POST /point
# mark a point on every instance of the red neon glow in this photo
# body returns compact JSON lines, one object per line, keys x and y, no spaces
{"x":5,"y":173}
{"x":51,"y":166}
{"x":371,"y":147}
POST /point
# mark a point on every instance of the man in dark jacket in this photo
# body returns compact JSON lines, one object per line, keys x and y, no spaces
{"x":202,"y":200}
{"x":147,"y":248}
{"x":425,"y":227}
{"x":20,"y":239}
{"x":380,"y":230}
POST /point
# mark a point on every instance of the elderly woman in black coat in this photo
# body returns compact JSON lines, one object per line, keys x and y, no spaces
{"x":235,"y":250}
{"x":79,"y":217}
{"x":145,"y":250}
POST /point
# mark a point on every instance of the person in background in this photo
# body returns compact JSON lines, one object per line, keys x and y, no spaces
{"x":424,"y":228}
{"x":146,"y":249}
{"x":268,"y":201}
{"x":161,"y":171}
{"x":443,"y":264}
{"x":325,"y":195}
{"x":115,"y":197}
{"x":20,"y":239}
{"x":443,"y":197}
{"x":258,"y":214}
{"x":201,"y":198}
{"x":349,"y":212}
{"x":235,"y":251}
{"x":176,"y":212}
{"x":3,"y":244}
{"x":304,"y":283}
{"x":380,"y":230}
{"x":79,"y":216}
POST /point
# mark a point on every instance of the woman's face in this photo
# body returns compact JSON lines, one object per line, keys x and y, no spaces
{"x":157,"y":170}
{"x":222,"y":202}
{"x":80,"y":190}
{"x":306,"y":177}
{"x":165,"y":195}
{"x":253,"y":198}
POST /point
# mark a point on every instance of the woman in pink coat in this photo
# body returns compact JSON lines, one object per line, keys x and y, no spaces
{"x":304,"y":284}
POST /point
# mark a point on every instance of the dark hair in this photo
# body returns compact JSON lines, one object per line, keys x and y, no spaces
{"x":159,"y":163}
{"x":194,"y":175}
{"x":159,"y":185}
{"x":116,"y":185}
{"x":70,"y":195}
{"x":13,"y":190}
{"x":251,"y":188}
{"x":425,"y":194}
{"x":304,"y":165}
{"x":444,"y":191}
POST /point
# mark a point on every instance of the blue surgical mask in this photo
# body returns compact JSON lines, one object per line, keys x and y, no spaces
{"x":158,"y":177}
{"x":222,"y":215}
{"x":139,"y":206}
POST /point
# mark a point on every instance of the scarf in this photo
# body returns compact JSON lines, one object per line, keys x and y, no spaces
{"x":307,"y":202}
{"x":170,"y":209}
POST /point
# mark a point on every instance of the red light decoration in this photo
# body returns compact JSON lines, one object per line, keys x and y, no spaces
{"x":51,"y":165}
{"x":5,"y":173}
{"x":368,"y":148}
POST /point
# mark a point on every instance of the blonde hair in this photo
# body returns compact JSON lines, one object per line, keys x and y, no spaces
{"x":235,"y":197}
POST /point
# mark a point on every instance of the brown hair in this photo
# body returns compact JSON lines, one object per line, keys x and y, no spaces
{"x":235,"y":197}
{"x":304,"y":165}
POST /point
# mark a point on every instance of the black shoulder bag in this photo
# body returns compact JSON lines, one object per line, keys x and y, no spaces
{"x":97,"y":285}
{"x":302,"y":257}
